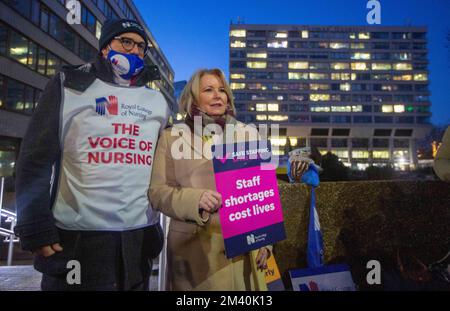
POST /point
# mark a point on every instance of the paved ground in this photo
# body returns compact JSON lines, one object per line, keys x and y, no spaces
{"x":25,"y":278}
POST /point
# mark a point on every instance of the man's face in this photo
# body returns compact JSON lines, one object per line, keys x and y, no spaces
{"x":124,"y":44}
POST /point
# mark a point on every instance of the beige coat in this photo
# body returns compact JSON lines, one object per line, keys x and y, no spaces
{"x":195,"y":250}
{"x":442,"y":160}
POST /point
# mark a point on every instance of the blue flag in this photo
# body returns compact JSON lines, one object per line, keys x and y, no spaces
{"x":315,"y":242}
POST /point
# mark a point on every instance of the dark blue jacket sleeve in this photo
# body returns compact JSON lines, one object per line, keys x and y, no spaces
{"x":39,"y":151}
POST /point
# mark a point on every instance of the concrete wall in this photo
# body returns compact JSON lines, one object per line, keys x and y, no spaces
{"x":361,"y":221}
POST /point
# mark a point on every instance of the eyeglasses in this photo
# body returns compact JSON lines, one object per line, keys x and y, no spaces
{"x":128,"y":44}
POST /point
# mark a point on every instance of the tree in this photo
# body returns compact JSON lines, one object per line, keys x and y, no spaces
{"x":333,"y":168}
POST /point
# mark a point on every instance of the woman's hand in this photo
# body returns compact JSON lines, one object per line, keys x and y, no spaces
{"x":210,"y":201}
{"x":261,"y":258}
{"x":298,"y":168}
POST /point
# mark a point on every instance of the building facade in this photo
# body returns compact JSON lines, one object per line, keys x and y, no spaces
{"x":35,"y":41}
{"x":360,"y":92}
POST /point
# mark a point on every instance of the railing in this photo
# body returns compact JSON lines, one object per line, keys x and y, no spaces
{"x":9,"y":217}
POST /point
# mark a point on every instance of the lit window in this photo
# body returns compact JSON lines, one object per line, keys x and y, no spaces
{"x":381,"y":66}
{"x":278,"y":118}
{"x":278,"y":152}
{"x":293,"y":141}
{"x":387,"y":108}
{"x":357,"y":46}
{"x":357,"y":108}
{"x":420,"y":77}
{"x":237,"y":76}
{"x":305,"y":34}
{"x":361,"y":56}
{"x":272,"y":107}
{"x":298,"y":65}
{"x":256,"y":55}
{"x":340,"y":66}
{"x":240,"y":33}
{"x":261,"y":107}
{"x":237,"y":44}
{"x":335,"y":76}
{"x":319,"y":87}
{"x":341,"y":109}
{"x":352,"y":35}
{"x":380,"y":154}
{"x":342,"y":154}
{"x":319,"y":97}
{"x":297,"y":76}
{"x":402,"y":66}
{"x":261,"y":117}
{"x":320,"y":109}
{"x":280,"y":97}
{"x":281,"y":35}
{"x":364,"y":35}
{"x":345,"y":87}
{"x":356,"y":154}
{"x":359,"y":66}
{"x":280,"y":142}
{"x":402,"y":77}
{"x":237,"y":86}
{"x":399,"y":108}
{"x":256,"y":65}
{"x":318,"y":76}
{"x":353,"y":76}
{"x":338,"y":45}
{"x":277,"y":44}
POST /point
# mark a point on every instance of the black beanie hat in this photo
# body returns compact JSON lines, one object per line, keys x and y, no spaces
{"x":114,"y":27}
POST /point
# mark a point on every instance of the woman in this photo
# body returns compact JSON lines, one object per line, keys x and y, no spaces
{"x":184,"y":189}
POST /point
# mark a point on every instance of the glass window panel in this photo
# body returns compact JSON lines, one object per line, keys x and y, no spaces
{"x":18,"y":48}
{"x":42,"y":60}
{"x":44,"y":20}
{"x":28,"y":99}
{"x":3,"y":38}
{"x":52,"y":64}
{"x":32,"y":55}
{"x":14,"y":95}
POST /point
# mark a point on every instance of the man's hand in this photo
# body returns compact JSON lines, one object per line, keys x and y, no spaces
{"x":210,"y":201}
{"x":48,"y":250}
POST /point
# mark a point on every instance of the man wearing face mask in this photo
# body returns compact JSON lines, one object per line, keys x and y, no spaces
{"x":84,"y":168}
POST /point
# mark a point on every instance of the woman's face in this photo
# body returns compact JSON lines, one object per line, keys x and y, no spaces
{"x":213,"y":99}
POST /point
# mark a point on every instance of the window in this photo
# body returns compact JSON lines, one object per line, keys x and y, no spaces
{"x":360,"y":56}
{"x":319,"y":87}
{"x":358,"y":46}
{"x":237,"y":44}
{"x":3,"y":38}
{"x":18,"y":48}
{"x":318,"y":76}
{"x":339,"y":45}
{"x":318,"y":142}
{"x":239,"y":33}
{"x":360,"y":154}
{"x":381,"y":66}
{"x":339,"y":143}
{"x":319,"y":97}
{"x":379,"y":119}
{"x":380,"y":154}
{"x":362,"y":119}
{"x":341,"y":109}
{"x":359,"y":66}
{"x":364,"y":35}
{"x":305,"y":34}
{"x":237,"y":76}
{"x":297,"y":76}
{"x":277,"y":44}
{"x":380,"y":35}
{"x":14,"y":95}
{"x":261,"y":117}
{"x":340,"y":66}
{"x":401,"y":35}
{"x":402,"y":66}
{"x":278,"y":118}
{"x":320,"y":109}
{"x":318,"y":66}
{"x":341,"y":119}
{"x":256,"y":55}
{"x":344,"y":87}
{"x":298,"y":65}
{"x":402,"y":77}
{"x":399,"y":108}
{"x":237,"y":86}
{"x":420,"y":77}
{"x":380,"y":143}
{"x":256,"y":65}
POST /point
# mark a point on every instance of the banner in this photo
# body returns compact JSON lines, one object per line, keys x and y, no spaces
{"x":251,"y":215}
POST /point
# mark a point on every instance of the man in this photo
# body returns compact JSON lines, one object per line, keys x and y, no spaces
{"x":442,"y":160}
{"x":84,"y":169}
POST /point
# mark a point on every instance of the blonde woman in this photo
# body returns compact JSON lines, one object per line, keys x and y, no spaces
{"x":184,"y":189}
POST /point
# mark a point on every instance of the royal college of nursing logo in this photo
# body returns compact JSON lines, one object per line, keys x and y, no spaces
{"x":108,"y":106}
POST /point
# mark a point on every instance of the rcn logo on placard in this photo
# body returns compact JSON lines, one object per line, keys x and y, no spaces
{"x":108,"y":106}
{"x":251,"y":239}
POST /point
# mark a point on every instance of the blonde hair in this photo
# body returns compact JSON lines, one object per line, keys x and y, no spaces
{"x":191,"y":91}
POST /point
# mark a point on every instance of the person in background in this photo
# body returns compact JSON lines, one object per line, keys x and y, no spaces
{"x":442,"y":159}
